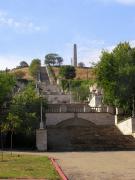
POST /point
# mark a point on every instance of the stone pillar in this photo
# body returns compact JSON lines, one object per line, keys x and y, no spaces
{"x":116,"y":120}
{"x":41,"y":139}
{"x":116,"y":116}
{"x":63,"y":108}
{"x":133,"y":124}
{"x":119,"y":111}
{"x":75,"y":56}
{"x":111,"y":110}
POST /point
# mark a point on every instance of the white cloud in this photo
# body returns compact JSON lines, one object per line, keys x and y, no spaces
{"x":132,"y":43}
{"x":86,"y":53}
{"x":90,"y":53}
{"x":125,"y":2}
{"x":21,"y":25}
{"x":10,"y":61}
{"x":88,"y":50}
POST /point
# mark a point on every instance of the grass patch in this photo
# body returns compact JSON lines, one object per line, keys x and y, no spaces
{"x":27,"y":166}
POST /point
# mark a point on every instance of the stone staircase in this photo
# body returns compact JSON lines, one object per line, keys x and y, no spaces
{"x":74,"y":137}
{"x":96,"y":138}
{"x":51,"y":91}
{"x":102,"y":138}
{"x":45,"y":83}
{"x":43,"y":75}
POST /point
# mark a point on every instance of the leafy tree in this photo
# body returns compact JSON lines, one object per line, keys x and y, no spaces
{"x":59,"y":60}
{"x":81,"y":93}
{"x":7,"y":83}
{"x":35,"y":67}
{"x":78,"y":88}
{"x":52,"y":59}
{"x":81,"y":64}
{"x":116,"y":75}
{"x":67,"y":72}
{"x":23,"y":64}
{"x":13,"y":122}
{"x":26,"y":105}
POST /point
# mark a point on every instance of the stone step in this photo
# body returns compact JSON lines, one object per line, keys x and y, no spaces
{"x":89,"y":138}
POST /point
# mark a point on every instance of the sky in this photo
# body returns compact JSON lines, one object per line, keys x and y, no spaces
{"x":33,"y":28}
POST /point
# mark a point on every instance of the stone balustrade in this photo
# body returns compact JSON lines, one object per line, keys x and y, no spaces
{"x":74,"y":108}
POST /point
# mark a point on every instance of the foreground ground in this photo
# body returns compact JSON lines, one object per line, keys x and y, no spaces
{"x":27,"y":166}
{"x":96,"y":165}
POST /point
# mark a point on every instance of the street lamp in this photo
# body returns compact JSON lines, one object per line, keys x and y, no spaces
{"x":70,"y":91}
{"x":1,"y":139}
{"x":41,"y":114}
{"x":133,"y":111}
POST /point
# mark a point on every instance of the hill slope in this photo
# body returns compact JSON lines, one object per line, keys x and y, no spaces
{"x":25,"y":73}
{"x":81,"y":73}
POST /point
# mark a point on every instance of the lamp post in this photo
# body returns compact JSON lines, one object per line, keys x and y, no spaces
{"x":41,"y":114}
{"x":1,"y":139}
{"x":70,"y":91}
{"x":133,"y":111}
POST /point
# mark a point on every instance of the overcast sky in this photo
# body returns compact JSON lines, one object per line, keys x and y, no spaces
{"x":32,"y":28}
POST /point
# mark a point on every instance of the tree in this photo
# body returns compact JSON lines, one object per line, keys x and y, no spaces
{"x":52,"y":59}
{"x":35,"y":67}
{"x":13,"y":122}
{"x":80,"y":90}
{"x":67,"y":72}
{"x":26,"y":105}
{"x":23,"y":64}
{"x":81,"y":64}
{"x":116,"y":75}
{"x":59,"y":60}
{"x":7,"y":83}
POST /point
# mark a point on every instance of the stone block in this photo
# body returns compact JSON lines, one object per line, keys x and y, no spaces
{"x":41,"y":139}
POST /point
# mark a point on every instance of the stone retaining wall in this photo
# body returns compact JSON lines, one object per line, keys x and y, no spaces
{"x":96,"y":118}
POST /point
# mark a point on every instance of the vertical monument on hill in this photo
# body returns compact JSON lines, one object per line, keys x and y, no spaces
{"x":74,"y":61}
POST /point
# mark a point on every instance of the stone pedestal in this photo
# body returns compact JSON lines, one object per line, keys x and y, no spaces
{"x":116,"y":120}
{"x":41,"y":139}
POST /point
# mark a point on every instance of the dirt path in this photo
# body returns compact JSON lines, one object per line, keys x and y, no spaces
{"x":96,"y":165}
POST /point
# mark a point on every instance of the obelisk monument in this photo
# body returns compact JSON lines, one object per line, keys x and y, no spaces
{"x":75,"y":56}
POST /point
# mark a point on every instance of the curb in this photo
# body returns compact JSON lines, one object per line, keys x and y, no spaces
{"x":58,"y":169}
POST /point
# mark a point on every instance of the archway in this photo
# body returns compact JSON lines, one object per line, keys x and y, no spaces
{"x":69,"y":135}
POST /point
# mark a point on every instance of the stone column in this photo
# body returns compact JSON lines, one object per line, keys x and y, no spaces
{"x":41,"y":139}
{"x":75,"y":55}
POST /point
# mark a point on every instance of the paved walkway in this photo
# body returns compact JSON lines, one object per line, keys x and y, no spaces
{"x":96,"y":165}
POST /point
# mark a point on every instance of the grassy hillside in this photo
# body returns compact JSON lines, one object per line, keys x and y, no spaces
{"x":81,"y":73}
{"x":25,"y":73}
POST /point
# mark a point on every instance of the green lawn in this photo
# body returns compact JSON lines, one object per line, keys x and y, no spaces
{"x":27,"y":166}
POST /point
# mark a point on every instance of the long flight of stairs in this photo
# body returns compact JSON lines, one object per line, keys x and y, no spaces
{"x":82,"y":138}
{"x":102,"y":138}
{"x":51,"y":91}
{"x":43,"y":75}
{"x":45,"y":83}
{"x":95,"y":138}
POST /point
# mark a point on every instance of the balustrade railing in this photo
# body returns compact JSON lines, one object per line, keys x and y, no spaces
{"x":76,"y":108}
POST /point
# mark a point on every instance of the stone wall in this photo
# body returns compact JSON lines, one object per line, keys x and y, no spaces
{"x":127,"y":127}
{"x":96,"y":118}
{"x":41,"y":139}
{"x":56,"y":99}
